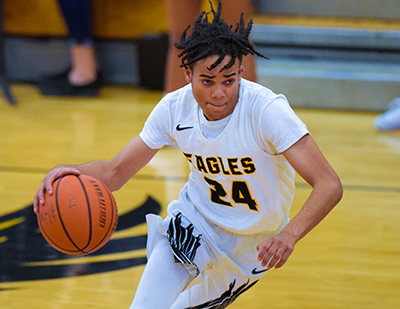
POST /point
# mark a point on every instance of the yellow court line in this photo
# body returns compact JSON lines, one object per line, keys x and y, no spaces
{"x":11,"y":223}
{"x":139,"y":230}
{"x":91,"y":259}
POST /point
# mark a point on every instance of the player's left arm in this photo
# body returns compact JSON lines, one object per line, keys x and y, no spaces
{"x":311,"y":165}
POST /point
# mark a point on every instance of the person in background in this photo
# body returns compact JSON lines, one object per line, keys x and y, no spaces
{"x":82,"y":78}
{"x":389,"y":120}
{"x":180,"y":14}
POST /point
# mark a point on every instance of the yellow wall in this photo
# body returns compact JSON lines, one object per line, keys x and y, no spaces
{"x":112,"y":19}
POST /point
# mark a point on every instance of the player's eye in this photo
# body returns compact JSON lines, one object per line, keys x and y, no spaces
{"x":206,"y":82}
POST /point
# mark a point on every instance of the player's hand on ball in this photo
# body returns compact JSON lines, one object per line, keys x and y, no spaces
{"x":79,"y":217}
{"x":275,"y":250}
{"x":46,"y":184}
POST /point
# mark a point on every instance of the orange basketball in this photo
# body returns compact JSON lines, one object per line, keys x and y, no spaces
{"x":80,"y":216}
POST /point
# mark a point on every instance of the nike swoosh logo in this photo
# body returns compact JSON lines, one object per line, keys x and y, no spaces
{"x":256,"y":272}
{"x":179,"y":128}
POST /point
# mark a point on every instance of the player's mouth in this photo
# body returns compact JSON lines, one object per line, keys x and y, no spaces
{"x":216,"y":105}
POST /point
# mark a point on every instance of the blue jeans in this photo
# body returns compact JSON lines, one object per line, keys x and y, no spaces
{"x":77,"y":15}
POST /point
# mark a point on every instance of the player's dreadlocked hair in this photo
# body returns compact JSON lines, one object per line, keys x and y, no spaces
{"x":216,"y":38}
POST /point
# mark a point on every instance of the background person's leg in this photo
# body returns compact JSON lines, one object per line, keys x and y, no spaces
{"x":78,"y":18}
{"x":181,"y":13}
{"x":231,"y":10}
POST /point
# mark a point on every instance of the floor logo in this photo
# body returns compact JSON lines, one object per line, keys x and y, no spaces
{"x":23,"y":247}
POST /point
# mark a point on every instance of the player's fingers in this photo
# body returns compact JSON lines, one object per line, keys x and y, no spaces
{"x":284,"y":258}
{"x":262,"y":251}
{"x":56,"y":174}
{"x":35,"y":203}
{"x":268,"y":257}
{"x":276,"y":257}
{"x":48,"y":185}
{"x":267,"y":262}
{"x":38,"y":199}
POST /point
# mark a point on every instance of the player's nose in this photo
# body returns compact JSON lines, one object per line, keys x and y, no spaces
{"x":218,"y":92}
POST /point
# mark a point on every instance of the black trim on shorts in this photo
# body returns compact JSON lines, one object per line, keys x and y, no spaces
{"x":227,"y":298}
{"x":184,"y":244}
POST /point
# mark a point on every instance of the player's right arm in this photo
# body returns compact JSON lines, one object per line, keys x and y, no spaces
{"x":114,"y":173}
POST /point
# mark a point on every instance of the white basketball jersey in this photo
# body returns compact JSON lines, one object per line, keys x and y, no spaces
{"x":239,"y":180}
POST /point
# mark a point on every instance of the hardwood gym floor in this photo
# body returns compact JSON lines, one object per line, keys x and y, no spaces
{"x":351,"y":260}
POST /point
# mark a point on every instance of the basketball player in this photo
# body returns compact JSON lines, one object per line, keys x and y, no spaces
{"x":243,"y":144}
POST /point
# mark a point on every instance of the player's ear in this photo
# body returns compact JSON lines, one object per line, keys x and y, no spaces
{"x":241,"y":70}
{"x":188,"y":74}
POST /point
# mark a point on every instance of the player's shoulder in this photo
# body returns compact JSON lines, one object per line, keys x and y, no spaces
{"x":258,"y":97}
{"x":180,"y":95}
{"x":257,"y":91}
{"x":179,"y":103}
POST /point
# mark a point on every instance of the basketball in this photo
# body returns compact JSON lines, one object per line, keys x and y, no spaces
{"x":79,"y":217}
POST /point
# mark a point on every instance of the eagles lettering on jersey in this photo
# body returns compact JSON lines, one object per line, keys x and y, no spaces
{"x":241,"y":193}
{"x":217,"y":165}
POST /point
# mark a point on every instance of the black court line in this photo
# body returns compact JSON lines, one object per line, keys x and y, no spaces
{"x":29,"y":170}
{"x":362,"y":188}
{"x":347,"y":187}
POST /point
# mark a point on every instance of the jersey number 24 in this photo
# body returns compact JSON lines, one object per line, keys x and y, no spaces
{"x":240,"y":194}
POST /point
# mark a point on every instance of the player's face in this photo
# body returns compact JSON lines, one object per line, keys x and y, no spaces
{"x":216,"y":92}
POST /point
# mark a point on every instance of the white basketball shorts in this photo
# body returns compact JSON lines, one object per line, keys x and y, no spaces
{"x":223,"y":264}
